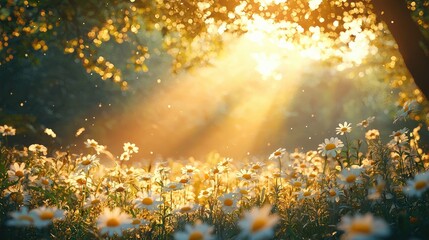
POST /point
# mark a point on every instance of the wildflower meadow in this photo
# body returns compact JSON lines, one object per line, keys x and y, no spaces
{"x":345,"y":189}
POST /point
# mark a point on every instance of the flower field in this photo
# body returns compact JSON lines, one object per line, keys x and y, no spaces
{"x":346,"y":189}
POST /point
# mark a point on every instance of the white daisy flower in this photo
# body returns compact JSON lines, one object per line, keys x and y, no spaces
{"x":418,"y":185}
{"x":43,"y":216}
{"x":200,"y":231}
{"x":363,"y":227}
{"x":279,"y":153}
{"x":147,"y":201}
{"x":88,"y":162}
{"x":6,"y":130}
{"x":350,"y":176}
{"x":246,"y":175}
{"x":258,"y":223}
{"x":130,"y":148}
{"x":21,"y":218}
{"x":17,"y":171}
{"x":365,"y":123}
{"x":344,"y":128}
{"x":372,"y":134}
{"x":113,"y":222}
{"x":38,"y":148}
{"x":331,"y":147}
{"x":228,"y":202}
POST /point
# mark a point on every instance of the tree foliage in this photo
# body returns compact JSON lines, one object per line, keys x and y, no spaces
{"x":193,"y":30}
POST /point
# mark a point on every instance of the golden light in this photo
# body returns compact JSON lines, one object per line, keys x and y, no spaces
{"x":228,"y":106}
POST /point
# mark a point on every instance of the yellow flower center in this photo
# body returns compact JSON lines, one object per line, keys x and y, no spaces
{"x":247,"y":176}
{"x":136,"y":221}
{"x":183,"y":180}
{"x":112,"y":222}
{"x":26,"y":218}
{"x":277,"y":153}
{"x":196,"y":236}
{"x":81,"y":181}
{"x":256,"y":167}
{"x":86,"y":162}
{"x":228,"y":202}
{"x":189,"y":170}
{"x":19,"y":173}
{"x":360,"y":228}
{"x":95,"y":201}
{"x":332,"y":193}
{"x":258,"y":225}
{"x":46,"y":215}
{"x":120,"y":189}
{"x":172,"y":186}
{"x":307,"y":193}
{"x":147,"y":201}
{"x":420,"y":185}
{"x":344,"y":129}
{"x":330,"y":146}
{"x":185,"y":209}
{"x":351,"y":178}
{"x":45,"y":181}
{"x":297,"y":184}
{"x":17,"y":197}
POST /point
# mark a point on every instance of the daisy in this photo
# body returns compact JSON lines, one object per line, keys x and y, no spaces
{"x":6,"y":130}
{"x":246,"y":175}
{"x":187,"y":208}
{"x":228,"y":202}
{"x":257,"y":166}
{"x":44,"y":183}
{"x":344,"y":128}
{"x":206,"y":193}
{"x":258,"y":223}
{"x":307,"y":194}
{"x":363,"y":227}
{"x":147,"y":201}
{"x":17,"y":195}
{"x":38,"y":148}
{"x":331,"y":147}
{"x":279,"y":153}
{"x":408,"y":107}
{"x":418,"y":185}
{"x":372,"y":134}
{"x":173,"y":186}
{"x":200,"y":231}
{"x":189,"y":170}
{"x":244,"y":192}
{"x":333,"y":194}
{"x":88,"y":162}
{"x":93,"y":200}
{"x":125,"y":156}
{"x":113,"y":222}
{"x":130,"y":148}
{"x":17,"y":171}
{"x":21,"y":218}
{"x":91,"y":143}
{"x":365,"y":123}
{"x":350,"y":176}
{"x":43,"y":216}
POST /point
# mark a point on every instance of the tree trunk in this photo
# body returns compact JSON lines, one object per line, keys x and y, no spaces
{"x":408,"y":37}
